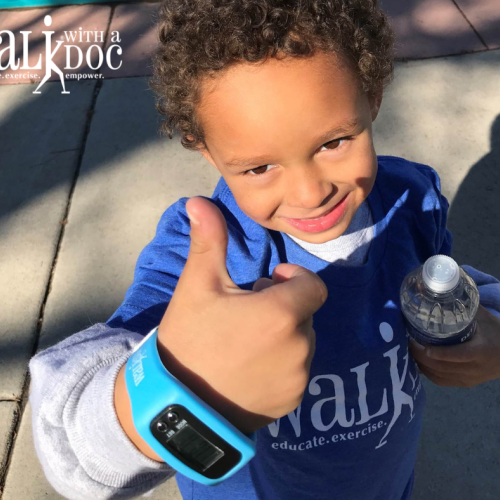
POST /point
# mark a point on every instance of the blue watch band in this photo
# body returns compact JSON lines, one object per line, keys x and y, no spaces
{"x":180,"y":427}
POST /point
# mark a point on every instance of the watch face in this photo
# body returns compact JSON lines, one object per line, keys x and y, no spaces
{"x":194,"y":447}
{"x":192,"y":442}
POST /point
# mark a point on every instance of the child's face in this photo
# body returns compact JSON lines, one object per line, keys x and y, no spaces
{"x":289,"y":120}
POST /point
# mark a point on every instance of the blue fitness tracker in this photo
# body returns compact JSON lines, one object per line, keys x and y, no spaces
{"x":181,"y":428}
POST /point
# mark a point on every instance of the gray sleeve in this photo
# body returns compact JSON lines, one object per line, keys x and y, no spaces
{"x":84,"y":452}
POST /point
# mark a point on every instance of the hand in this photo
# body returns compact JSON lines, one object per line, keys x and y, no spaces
{"x":245,"y":353}
{"x":464,"y":365}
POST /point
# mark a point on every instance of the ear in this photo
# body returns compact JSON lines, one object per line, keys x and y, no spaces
{"x":375,"y":103}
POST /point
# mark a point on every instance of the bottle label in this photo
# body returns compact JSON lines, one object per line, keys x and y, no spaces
{"x":431,"y":339}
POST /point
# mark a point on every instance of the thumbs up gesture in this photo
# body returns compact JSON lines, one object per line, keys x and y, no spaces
{"x":245,"y":353}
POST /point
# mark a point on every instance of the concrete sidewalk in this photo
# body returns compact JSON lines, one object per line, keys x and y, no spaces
{"x":82,"y":192}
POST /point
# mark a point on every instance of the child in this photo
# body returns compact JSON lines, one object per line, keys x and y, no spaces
{"x":307,"y":227}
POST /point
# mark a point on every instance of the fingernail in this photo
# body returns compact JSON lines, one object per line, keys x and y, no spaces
{"x":193,"y":219}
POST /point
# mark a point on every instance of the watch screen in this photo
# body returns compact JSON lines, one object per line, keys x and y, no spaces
{"x":194,"y":443}
{"x":195,"y":448}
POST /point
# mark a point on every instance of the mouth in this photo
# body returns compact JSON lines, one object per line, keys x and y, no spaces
{"x":325,"y":221}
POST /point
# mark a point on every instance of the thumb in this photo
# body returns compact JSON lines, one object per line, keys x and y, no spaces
{"x":206,"y":262}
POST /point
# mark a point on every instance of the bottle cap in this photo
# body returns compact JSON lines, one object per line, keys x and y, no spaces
{"x":441,"y":273}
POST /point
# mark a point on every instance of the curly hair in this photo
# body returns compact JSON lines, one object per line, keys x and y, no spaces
{"x":201,"y":39}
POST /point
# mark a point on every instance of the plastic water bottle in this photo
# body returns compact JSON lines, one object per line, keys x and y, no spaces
{"x":439,"y":301}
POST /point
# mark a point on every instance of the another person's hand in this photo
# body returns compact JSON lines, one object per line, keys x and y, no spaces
{"x":245,"y":353}
{"x":464,"y":365}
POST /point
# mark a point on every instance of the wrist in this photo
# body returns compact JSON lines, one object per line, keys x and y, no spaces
{"x":186,"y":432}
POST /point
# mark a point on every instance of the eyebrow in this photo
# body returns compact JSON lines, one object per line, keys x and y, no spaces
{"x":348,"y":127}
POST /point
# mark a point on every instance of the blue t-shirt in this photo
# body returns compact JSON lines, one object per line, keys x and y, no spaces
{"x":355,"y":434}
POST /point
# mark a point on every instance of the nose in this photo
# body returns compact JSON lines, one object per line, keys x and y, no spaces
{"x":307,"y":189}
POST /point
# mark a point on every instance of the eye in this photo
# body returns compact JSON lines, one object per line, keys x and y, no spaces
{"x":337,"y":143}
{"x":258,"y":170}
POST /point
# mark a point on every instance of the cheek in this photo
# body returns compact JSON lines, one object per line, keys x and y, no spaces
{"x":363,"y":168}
{"x":366,"y":175}
{"x":257,"y":206}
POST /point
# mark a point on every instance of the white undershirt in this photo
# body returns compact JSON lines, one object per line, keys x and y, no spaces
{"x":349,"y":249}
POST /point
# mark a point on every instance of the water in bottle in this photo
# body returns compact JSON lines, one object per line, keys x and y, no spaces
{"x":439,"y":301}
